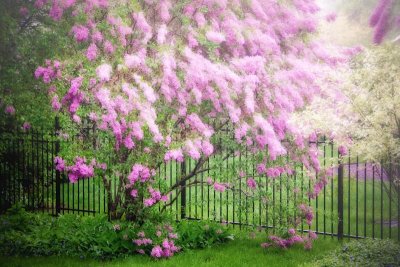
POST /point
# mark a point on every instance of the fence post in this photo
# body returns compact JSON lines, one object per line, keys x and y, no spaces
{"x":183,"y":190}
{"x":340,"y":199}
{"x":58,"y":173}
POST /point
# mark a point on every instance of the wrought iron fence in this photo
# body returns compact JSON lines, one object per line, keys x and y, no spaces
{"x":360,"y":200}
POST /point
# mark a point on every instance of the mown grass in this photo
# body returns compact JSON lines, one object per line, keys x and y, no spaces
{"x":240,"y":252}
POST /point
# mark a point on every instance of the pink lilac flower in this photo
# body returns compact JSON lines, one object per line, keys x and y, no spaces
{"x":251,"y":183}
{"x":26,"y":126}
{"x":140,"y":251}
{"x":379,"y":11}
{"x":97,"y":37}
{"x":104,"y":72}
{"x":343,"y":150}
{"x":291,"y":231}
{"x":56,"y":11}
{"x":172,"y":235}
{"x":108,"y":47}
{"x":219,"y":187}
{"x":80,"y":32}
{"x":148,"y":202}
{"x":48,"y":73}
{"x":261,"y":169}
{"x":132,"y":61}
{"x":312,"y":235}
{"x":175,"y":154}
{"x":134,"y":193}
{"x":24,"y":11}
{"x":59,"y":164}
{"x":79,"y":170}
{"x":156,"y":252}
{"x":215,"y":37}
{"x":10,"y":110}
{"x":91,"y":52}
{"x":40,"y":3}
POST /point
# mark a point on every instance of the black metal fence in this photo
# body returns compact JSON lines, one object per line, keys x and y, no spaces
{"x":360,"y":200}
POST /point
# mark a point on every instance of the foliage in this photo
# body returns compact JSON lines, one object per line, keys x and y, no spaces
{"x":201,"y":234}
{"x":367,"y":252}
{"x":24,"y":233}
{"x":374,"y":100}
{"x":25,"y":39}
{"x":29,"y":234}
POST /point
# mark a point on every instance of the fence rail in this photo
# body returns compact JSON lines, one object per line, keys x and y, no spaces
{"x":359,"y":201}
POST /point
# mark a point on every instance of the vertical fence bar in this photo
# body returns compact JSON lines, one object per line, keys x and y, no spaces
{"x":390,"y":197}
{"x":340,"y":199}
{"x":365,"y":200}
{"x":357,"y":196}
{"x":381,"y":166}
{"x":58,"y":174}
{"x":183,"y":190}
{"x":373,"y":201}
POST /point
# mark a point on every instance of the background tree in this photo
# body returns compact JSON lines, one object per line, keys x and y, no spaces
{"x":375,"y":99}
{"x":26,"y":37}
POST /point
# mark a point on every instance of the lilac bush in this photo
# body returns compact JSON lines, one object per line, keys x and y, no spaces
{"x":163,"y":79}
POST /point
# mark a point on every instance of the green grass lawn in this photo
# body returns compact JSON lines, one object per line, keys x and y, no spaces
{"x":240,"y":252}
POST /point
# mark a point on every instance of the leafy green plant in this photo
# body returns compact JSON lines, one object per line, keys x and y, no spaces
{"x":31,"y":234}
{"x":368,"y":252}
{"x":201,"y":234}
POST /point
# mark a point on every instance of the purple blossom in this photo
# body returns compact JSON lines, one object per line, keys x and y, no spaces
{"x":251,"y":183}
{"x":157,"y":252}
{"x":10,"y":110}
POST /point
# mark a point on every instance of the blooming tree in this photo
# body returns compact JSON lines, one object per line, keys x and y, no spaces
{"x":163,"y":80}
{"x":374,"y":101}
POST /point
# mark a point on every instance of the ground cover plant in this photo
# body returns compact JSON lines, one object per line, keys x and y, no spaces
{"x":367,"y":252}
{"x":29,"y":234}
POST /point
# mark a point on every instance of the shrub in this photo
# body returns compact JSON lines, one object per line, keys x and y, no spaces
{"x":29,"y":234}
{"x":201,"y":234}
{"x":366,"y":252}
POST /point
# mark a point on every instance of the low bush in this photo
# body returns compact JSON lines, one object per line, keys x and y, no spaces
{"x":368,"y":252}
{"x":29,"y":234}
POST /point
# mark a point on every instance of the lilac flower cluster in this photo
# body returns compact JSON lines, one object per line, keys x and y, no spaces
{"x":293,"y":239}
{"x":251,"y":183}
{"x":307,"y":213}
{"x":10,"y":110}
{"x":140,"y":173}
{"x":155,"y":197}
{"x":51,"y":71}
{"x":74,"y":98}
{"x":80,"y":169}
{"x":161,"y":246}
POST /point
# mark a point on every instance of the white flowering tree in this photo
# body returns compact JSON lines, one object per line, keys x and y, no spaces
{"x":375,"y":98}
